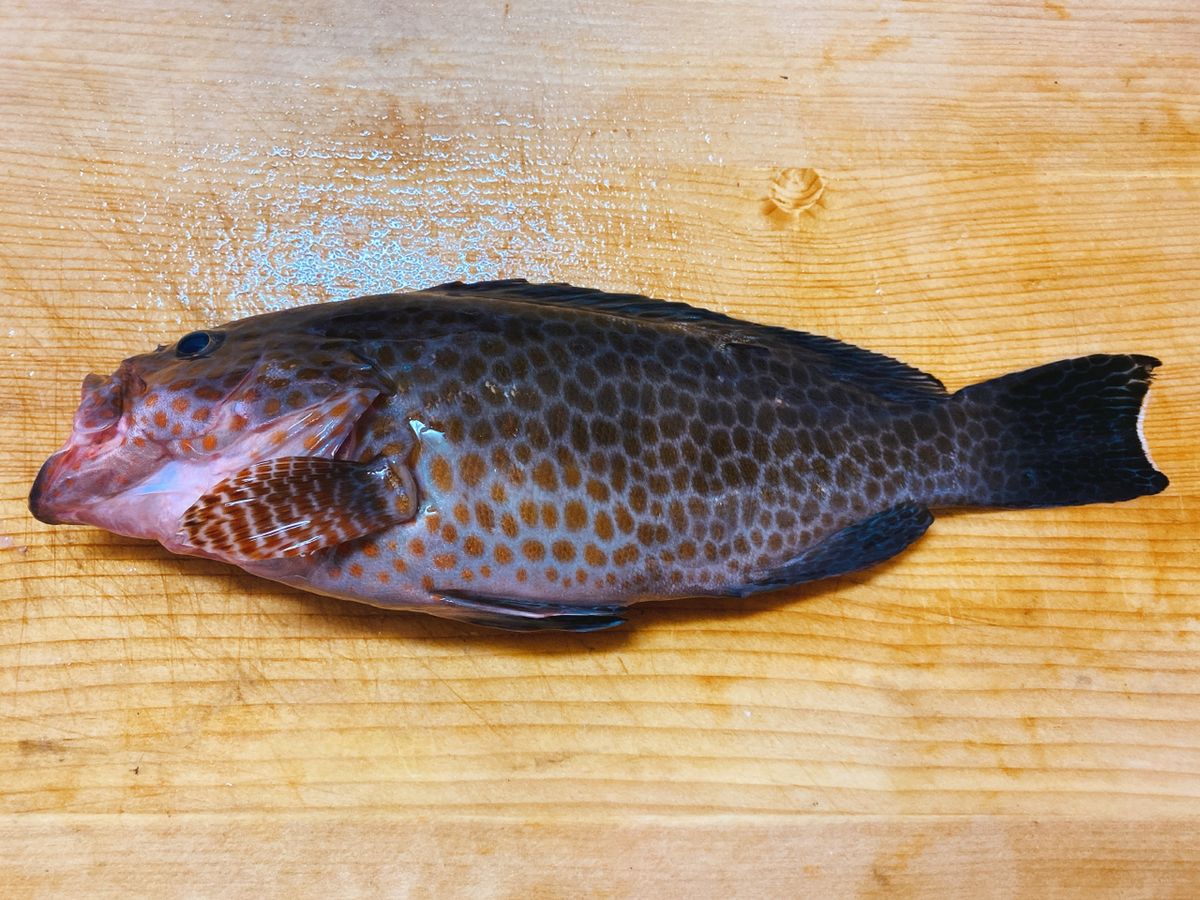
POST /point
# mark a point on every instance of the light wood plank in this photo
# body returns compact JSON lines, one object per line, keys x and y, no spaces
{"x":1005,"y":184}
{"x":961,"y":856}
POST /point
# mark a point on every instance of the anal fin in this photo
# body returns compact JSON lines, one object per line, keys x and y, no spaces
{"x":857,"y":546}
{"x":527,"y":615}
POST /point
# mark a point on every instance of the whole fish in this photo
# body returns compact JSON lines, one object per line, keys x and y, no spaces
{"x":541,"y":456}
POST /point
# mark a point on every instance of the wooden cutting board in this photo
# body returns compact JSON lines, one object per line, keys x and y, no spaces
{"x":1010,"y":707}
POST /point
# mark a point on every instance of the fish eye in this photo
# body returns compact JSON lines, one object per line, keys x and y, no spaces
{"x":198,"y":344}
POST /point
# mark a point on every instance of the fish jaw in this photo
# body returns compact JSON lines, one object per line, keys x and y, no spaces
{"x":76,"y":485}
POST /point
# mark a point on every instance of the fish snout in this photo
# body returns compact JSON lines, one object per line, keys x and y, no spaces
{"x":41,"y":494}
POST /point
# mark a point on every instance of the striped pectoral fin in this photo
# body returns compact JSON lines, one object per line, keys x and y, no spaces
{"x":857,"y":546}
{"x":298,"y":505}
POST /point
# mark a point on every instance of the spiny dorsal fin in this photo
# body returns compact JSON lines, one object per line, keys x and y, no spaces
{"x":880,"y":374}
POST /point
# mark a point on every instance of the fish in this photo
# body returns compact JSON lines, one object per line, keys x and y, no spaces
{"x":541,"y":456}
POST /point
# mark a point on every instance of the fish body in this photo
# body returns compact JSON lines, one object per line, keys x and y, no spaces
{"x":541,"y":456}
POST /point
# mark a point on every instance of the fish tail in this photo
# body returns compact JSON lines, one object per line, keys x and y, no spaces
{"x":1062,"y":434}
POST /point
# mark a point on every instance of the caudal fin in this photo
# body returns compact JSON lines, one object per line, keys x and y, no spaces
{"x":1061,"y":434}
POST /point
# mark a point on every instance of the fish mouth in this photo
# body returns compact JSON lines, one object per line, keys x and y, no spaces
{"x":101,"y":417}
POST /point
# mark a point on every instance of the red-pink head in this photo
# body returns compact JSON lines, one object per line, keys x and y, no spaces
{"x":167,"y":426}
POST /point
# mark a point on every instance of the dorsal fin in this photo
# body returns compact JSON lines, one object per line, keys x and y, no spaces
{"x":875,"y":372}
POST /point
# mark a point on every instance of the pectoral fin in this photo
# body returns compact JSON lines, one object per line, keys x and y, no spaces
{"x":298,"y":505}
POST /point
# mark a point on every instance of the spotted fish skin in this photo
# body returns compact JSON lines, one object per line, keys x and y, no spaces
{"x":541,"y":456}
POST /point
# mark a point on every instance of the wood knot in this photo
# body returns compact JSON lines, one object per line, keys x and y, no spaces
{"x":795,"y":191}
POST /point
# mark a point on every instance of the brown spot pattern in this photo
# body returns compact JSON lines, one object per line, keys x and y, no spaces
{"x":651,"y":458}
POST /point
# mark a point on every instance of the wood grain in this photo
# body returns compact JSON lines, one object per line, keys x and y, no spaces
{"x":1010,"y":705}
{"x":759,"y":857}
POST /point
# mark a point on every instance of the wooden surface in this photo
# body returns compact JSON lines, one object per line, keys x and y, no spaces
{"x":1012,"y":707}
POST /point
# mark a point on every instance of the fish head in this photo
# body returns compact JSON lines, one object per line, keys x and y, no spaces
{"x":167,"y":426}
